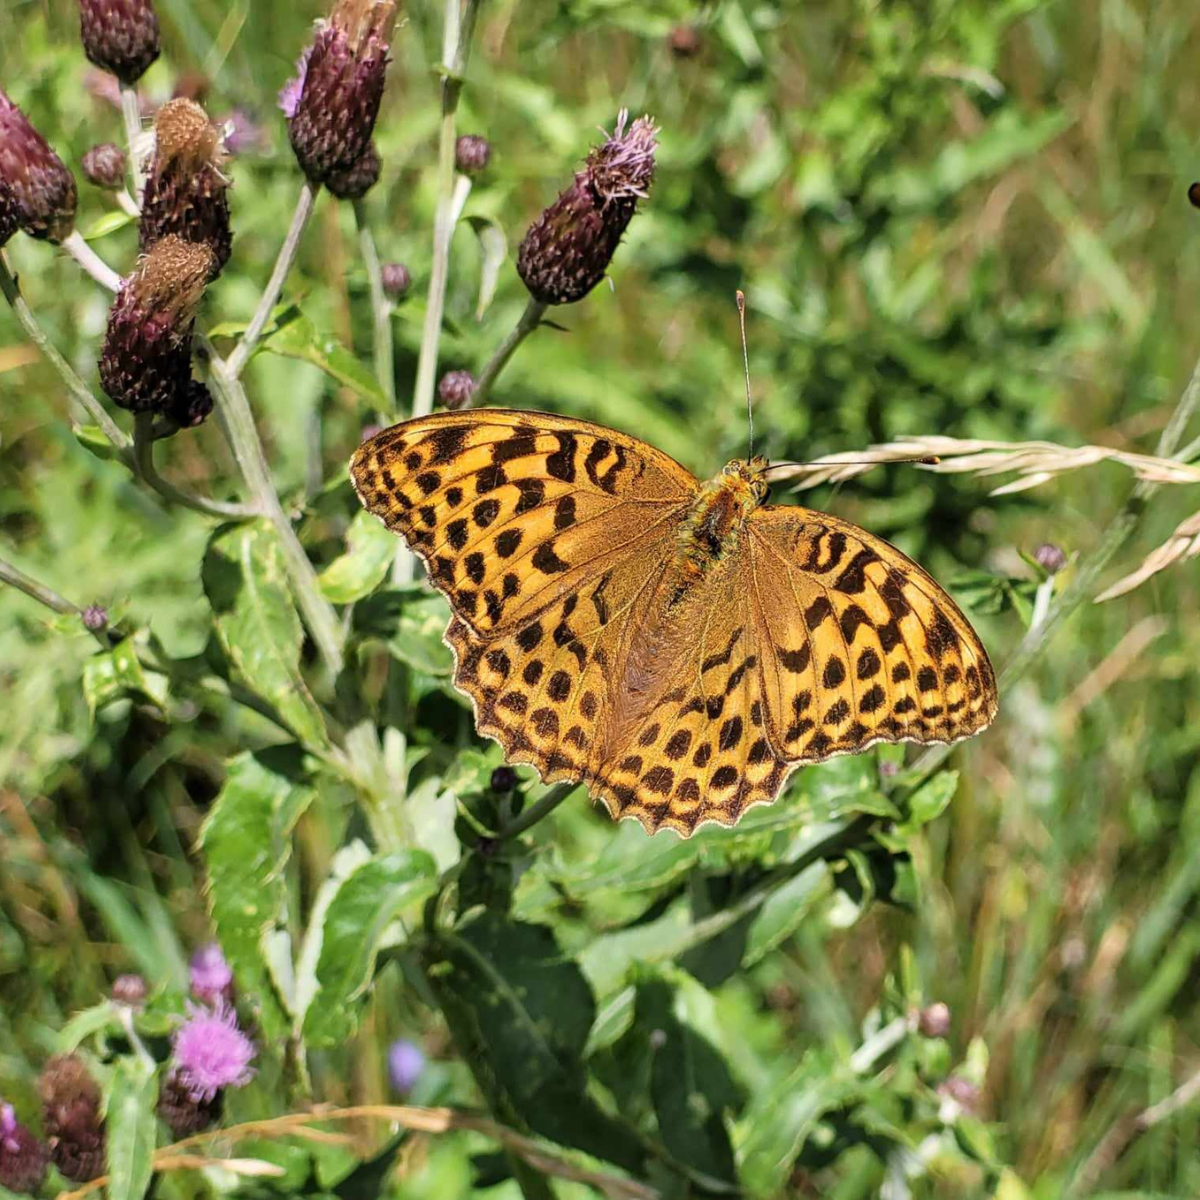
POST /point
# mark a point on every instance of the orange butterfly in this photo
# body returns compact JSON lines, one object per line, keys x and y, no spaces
{"x":678,"y":646}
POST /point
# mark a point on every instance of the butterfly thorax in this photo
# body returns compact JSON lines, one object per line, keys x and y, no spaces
{"x":713,"y":528}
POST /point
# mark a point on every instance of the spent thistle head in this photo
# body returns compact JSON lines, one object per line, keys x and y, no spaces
{"x":120,"y":36}
{"x":71,"y":1117}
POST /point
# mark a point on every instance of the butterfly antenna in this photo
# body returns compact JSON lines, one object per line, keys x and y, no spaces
{"x":741,"y":305}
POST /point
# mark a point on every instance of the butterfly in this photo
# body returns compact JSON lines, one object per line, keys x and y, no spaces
{"x":679,"y":646}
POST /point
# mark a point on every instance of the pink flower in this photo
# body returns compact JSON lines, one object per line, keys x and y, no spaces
{"x":211,"y":1052}
{"x":211,"y":976}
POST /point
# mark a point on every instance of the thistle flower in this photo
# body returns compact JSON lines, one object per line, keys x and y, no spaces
{"x":243,"y":134}
{"x":120,"y":36}
{"x":397,"y":279}
{"x":568,"y":248}
{"x":23,"y":1158}
{"x":104,"y":166}
{"x":43,"y":187}
{"x":472,"y":153}
{"x":332,"y":103}
{"x":406,"y":1062}
{"x":185,"y":186}
{"x":211,"y":977}
{"x":71,"y":1117}
{"x":456,"y":388}
{"x":147,"y":355}
{"x":10,"y":215}
{"x":358,"y":179}
{"x":210,"y":1052}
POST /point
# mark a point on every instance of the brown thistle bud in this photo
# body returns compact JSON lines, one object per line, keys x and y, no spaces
{"x":935,"y":1020}
{"x":104,"y":166}
{"x":1050,"y":558}
{"x":23,"y":1158}
{"x":190,"y":406}
{"x":568,"y":248}
{"x":184,"y":1111}
{"x":332,"y":104}
{"x":147,"y":358}
{"x":71,"y":1117}
{"x":472,"y":153}
{"x":43,"y":187}
{"x":358,"y":179}
{"x":130,"y":990}
{"x":10,"y":214}
{"x":185,"y":186}
{"x":684,"y":41}
{"x":120,"y":36}
{"x":456,"y":388}
{"x":396,"y":279}
{"x":504,"y":779}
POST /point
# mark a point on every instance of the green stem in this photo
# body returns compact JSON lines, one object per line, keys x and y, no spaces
{"x":532,"y":815}
{"x":270,"y":297}
{"x":238,"y":424}
{"x":531,"y":318}
{"x":381,"y":307}
{"x":90,"y":261}
{"x":132,"y":113}
{"x":458,"y":27}
{"x":45,"y":595}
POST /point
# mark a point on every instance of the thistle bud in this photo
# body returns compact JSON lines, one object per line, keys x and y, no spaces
{"x":568,"y":248}
{"x":456,"y":388}
{"x":1193,"y":195}
{"x":10,"y":216}
{"x":934,"y":1020}
{"x":71,"y":1117}
{"x":185,"y":187}
{"x":184,"y":1112}
{"x":43,"y":187}
{"x":684,"y":41}
{"x":104,"y":166}
{"x":147,"y":356}
{"x":190,"y":406}
{"x":358,"y":179}
{"x":95,"y":618}
{"x":1050,"y":558}
{"x":23,"y":1158}
{"x":472,"y":153}
{"x":120,"y":36}
{"x":504,"y":779}
{"x":396,"y":280}
{"x":129,"y":990}
{"x":332,"y":103}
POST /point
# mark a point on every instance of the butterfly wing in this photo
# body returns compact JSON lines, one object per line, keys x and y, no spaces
{"x":857,"y":643}
{"x":513,"y":510}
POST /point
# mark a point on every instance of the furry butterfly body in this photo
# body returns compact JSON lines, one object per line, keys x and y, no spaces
{"x":678,"y":646}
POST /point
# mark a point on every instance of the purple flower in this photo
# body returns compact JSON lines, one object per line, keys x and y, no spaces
{"x":211,"y":976}
{"x":210,"y":1052}
{"x":405,"y":1064}
{"x":290,"y":93}
{"x":243,"y":134}
{"x":22,"y":1157}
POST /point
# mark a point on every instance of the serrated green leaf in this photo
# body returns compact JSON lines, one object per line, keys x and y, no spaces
{"x":493,"y":245}
{"x":365,"y":905}
{"x":785,"y":909}
{"x":115,"y":673}
{"x":520,"y":1013}
{"x":298,"y":337}
{"x":246,"y":843}
{"x":110,"y":222}
{"x":257,"y":623}
{"x":130,"y":1126}
{"x":370,"y":551}
{"x":92,"y":439}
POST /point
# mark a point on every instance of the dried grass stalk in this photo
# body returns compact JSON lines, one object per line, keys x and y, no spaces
{"x":1183,"y":544}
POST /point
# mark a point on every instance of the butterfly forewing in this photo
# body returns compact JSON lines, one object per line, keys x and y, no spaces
{"x":858,"y":643}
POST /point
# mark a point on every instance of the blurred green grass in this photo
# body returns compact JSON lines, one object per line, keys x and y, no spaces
{"x":920,"y":255}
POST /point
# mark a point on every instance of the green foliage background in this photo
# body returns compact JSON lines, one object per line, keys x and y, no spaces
{"x":955,"y":218}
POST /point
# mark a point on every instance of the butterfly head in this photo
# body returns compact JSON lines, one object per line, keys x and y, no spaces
{"x":746,"y":478}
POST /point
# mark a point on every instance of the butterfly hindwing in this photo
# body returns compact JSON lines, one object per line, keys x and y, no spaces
{"x":859,"y":644}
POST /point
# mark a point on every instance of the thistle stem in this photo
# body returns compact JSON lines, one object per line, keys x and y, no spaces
{"x":237,"y":422}
{"x":458,"y":27}
{"x":132,"y":113}
{"x":270,"y":297}
{"x":531,"y":318}
{"x":91,"y":262}
{"x":40,"y":592}
{"x":532,"y":815}
{"x":381,"y":307}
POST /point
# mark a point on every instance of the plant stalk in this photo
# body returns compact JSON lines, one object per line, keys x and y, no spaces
{"x":91,"y":262}
{"x":132,"y":113}
{"x":458,"y":27}
{"x":531,"y":318}
{"x":270,"y":297}
{"x":381,"y":307}
{"x":535,"y":812}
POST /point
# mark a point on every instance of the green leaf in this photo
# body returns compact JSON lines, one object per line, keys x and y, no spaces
{"x":929,"y":801}
{"x":99,"y":1018}
{"x":370,"y":899}
{"x":520,"y":1013}
{"x":130,"y":1125}
{"x":92,"y":439}
{"x":494,"y":247}
{"x":110,"y":222}
{"x":299,"y":338}
{"x":785,"y":909}
{"x":413,"y":624}
{"x":246,"y":842}
{"x":371,"y":550}
{"x":257,"y":623}
{"x":115,"y":673}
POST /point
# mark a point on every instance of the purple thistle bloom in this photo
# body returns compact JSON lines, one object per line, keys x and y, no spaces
{"x":23,"y":1158}
{"x":210,"y":1052}
{"x":290,"y":93}
{"x":406,"y":1062}
{"x":210,"y":975}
